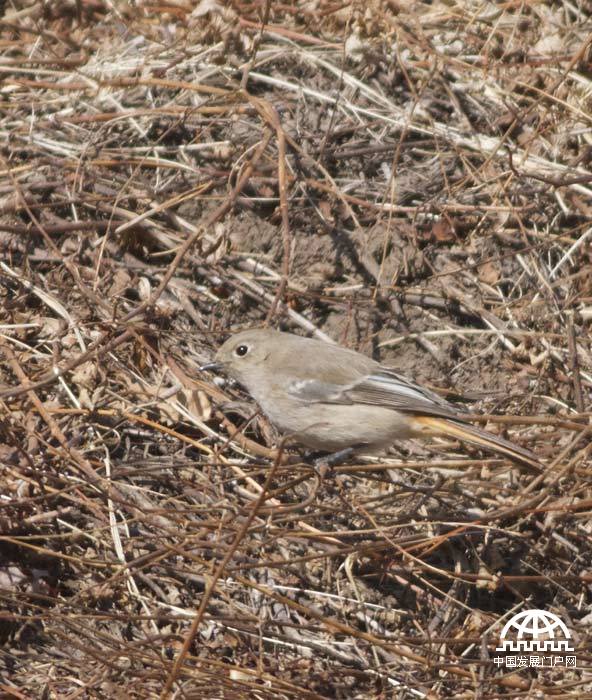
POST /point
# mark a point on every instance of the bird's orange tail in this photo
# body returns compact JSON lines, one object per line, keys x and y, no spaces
{"x":465,"y":431}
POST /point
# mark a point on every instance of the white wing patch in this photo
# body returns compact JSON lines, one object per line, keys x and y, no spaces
{"x":390,"y":383}
{"x":382,"y":388}
{"x":299,"y":386}
{"x":316,"y":392}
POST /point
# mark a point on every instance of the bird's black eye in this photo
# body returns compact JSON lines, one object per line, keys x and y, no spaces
{"x":242,"y":350}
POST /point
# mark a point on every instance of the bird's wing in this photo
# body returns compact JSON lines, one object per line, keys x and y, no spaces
{"x":380,"y":388}
{"x":431,"y":414}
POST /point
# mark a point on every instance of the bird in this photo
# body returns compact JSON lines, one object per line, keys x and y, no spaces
{"x":332,"y":399}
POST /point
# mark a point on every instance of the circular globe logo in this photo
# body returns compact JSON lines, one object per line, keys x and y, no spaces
{"x":535,"y":631}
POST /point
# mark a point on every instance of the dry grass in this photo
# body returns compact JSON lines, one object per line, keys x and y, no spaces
{"x":409,"y":179}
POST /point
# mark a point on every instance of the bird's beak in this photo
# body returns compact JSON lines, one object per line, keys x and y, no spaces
{"x":212,"y":367}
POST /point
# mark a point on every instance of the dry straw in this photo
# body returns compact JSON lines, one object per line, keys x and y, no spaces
{"x":409,"y":179}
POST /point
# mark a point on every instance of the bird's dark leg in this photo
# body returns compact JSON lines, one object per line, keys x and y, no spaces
{"x":333,"y":458}
{"x":322,"y":462}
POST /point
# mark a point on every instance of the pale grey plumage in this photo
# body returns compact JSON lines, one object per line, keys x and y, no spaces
{"x":330,"y":398}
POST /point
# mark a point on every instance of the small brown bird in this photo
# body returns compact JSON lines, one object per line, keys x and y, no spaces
{"x":330,"y":398}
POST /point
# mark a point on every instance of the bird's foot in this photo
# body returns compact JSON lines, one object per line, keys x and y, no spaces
{"x":323,"y":463}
